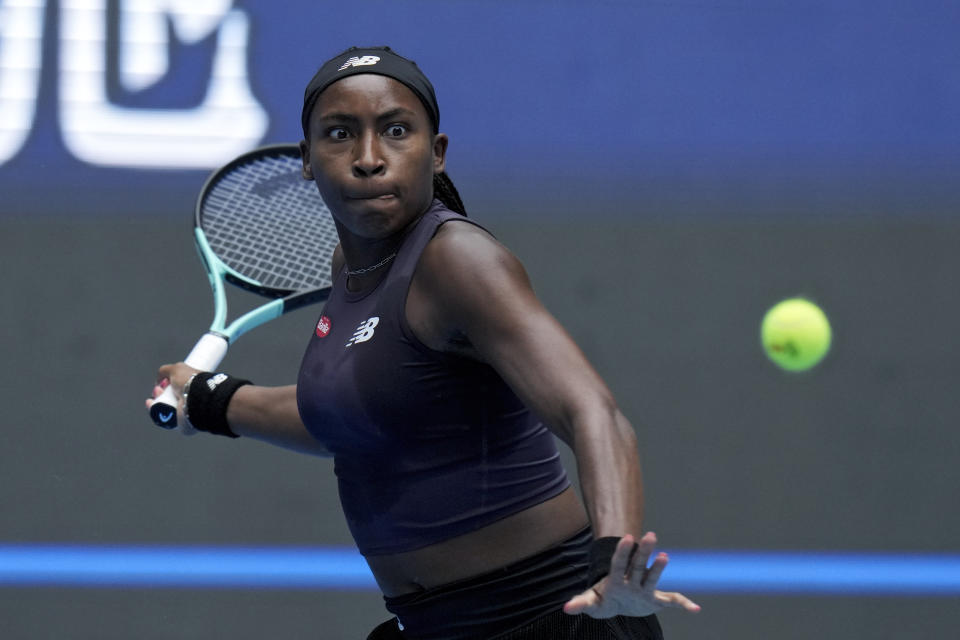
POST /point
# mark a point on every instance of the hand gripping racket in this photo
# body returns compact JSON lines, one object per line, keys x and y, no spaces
{"x":258,"y":225}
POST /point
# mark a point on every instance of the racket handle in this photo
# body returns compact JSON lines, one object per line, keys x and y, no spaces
{"x":163,"y":411}
{"x":205,"y":356}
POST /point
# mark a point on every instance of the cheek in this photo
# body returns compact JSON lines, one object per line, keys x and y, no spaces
{"x":420,"y":183}
{"x":324,"y":170}
{"x":327,"y":189}
{"x":423,"y":169}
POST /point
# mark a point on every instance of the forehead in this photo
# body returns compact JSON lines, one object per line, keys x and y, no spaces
{"x":367,"y":94}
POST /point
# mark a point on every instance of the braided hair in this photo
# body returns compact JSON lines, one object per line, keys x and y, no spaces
{"x":445,"y":192}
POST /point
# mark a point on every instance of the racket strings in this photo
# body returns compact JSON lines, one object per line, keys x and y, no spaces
{"x":266,"y":222}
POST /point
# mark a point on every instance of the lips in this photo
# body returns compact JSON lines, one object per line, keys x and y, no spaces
{"x":375,"y":195}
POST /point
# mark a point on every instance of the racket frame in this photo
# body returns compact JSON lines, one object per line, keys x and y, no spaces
{"x":212,"y":346}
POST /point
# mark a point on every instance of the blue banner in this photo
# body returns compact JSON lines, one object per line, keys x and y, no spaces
{"x":123,"y":106}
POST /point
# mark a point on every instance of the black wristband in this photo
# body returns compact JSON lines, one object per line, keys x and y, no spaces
{"x":207,"y":399}
{"x":601,"y":552}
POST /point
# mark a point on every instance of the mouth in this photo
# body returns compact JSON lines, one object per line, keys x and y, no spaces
{"x":371,"y":196}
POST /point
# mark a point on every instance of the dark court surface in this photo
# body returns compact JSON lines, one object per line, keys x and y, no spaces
{"x":859,"y":454}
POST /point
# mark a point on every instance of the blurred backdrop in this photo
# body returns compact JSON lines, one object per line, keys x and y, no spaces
{"x":665,"y":170}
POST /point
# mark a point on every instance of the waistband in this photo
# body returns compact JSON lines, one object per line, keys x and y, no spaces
{"x":499,"y":601}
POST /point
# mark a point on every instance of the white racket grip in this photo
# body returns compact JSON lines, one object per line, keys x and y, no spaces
{"x":205,"y":356}
{"x":208,"y":352}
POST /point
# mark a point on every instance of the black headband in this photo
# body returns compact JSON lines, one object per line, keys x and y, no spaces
{"x":378,"y":60}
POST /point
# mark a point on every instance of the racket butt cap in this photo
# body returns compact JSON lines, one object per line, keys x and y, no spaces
{"x":163,"y":411}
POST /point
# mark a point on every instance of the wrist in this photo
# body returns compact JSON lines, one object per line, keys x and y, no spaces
{"x":600,"y":555}
{"x":185,"y":394}
{"x":206,"y":397}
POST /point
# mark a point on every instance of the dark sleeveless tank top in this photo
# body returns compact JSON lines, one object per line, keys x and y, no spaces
{"x":427,"y":446}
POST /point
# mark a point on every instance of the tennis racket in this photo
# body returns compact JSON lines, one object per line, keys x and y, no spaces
{"x":258,"y":225}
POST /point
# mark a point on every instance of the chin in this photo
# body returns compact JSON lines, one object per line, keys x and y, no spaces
{"x":376,"y":222}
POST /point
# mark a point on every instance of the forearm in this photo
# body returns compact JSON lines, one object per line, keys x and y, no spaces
{"x":608,"y":462}
{"x":270,"y":414}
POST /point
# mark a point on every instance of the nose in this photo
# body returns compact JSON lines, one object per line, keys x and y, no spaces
{"x":369,"y":160}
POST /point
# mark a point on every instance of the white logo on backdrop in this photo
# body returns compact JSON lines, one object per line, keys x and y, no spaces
{"x":21,"y":36}
{"x":228,"y":121}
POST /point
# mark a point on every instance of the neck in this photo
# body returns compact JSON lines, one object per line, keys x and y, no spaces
{"x":370,"y":256}
{"x":367,"y":258}
{"x":373,"y":267}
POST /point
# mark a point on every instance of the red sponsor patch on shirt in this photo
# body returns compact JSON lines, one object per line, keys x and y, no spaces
{"x":323,"y":327}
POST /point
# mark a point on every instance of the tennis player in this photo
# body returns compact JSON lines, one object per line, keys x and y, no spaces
{"x":436,"y":379}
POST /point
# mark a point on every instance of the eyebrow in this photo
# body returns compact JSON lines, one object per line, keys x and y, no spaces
{"x":350,"y":118}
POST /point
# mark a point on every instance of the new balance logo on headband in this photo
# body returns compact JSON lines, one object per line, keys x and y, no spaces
{"x":359,"y":62}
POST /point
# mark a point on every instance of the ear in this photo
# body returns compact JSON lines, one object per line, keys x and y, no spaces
{"x":307,"y":171}
{"x":440,"y":142}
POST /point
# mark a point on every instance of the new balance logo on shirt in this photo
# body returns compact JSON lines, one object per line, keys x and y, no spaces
{"x":365,"y":331}
{"x":359,"y":62}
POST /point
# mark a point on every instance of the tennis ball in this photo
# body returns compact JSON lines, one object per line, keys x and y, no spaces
{"x":795,"y":333}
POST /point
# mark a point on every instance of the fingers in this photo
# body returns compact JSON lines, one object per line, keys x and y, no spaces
{"x":631,"y":586}
{"x":651,"y":575}
{"x":631,"y":557}
{"x":677,"y":600}
{"x":637,"y":570}
{"x":175,"y":373}
{"x":174,"y":376}
{"x":652,"y":578}
{"x":623,"y":557}
{"x":157,"y":390}
{"x":164,"y":372}
{"x":579,"y":603}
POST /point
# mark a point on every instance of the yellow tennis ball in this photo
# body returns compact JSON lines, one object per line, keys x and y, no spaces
{"x":795,"y":333}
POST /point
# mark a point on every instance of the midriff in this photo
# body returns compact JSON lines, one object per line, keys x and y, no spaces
{"x":506,"y":541}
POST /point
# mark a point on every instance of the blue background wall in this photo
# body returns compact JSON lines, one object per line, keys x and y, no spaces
{"x":720,"y":107}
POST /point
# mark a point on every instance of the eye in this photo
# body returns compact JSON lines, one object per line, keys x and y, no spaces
{"x":395,"y":131}
{"x":338,"y":133}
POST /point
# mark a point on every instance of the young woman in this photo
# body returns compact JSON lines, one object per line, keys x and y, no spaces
{"x":435,"y":379}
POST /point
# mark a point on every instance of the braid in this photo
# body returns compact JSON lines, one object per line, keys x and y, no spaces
{"x":444,"y":191}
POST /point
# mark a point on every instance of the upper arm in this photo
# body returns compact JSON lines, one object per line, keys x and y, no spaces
{"x":476,"y":287}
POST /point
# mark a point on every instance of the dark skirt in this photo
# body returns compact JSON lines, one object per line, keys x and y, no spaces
{"x":559,"y":626}
{"x":522,"y":601}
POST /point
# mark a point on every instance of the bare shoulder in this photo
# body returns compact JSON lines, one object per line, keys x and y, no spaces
{"x":466,"y":284}
{"x":462,"y":253}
